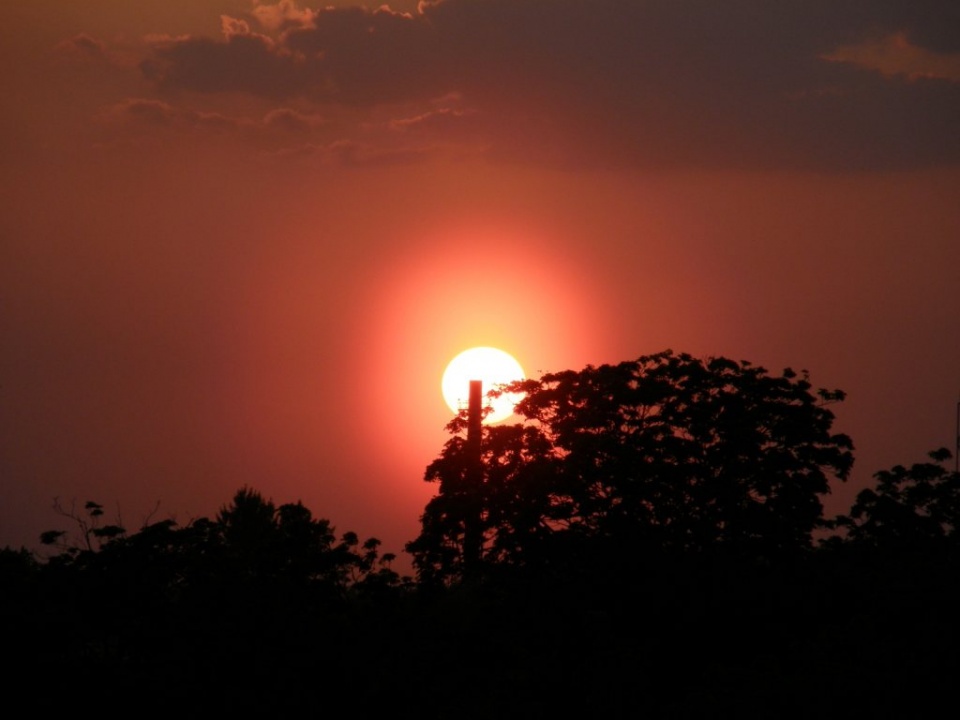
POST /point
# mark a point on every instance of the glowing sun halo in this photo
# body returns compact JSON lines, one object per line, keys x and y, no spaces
{"x":488,"y":364}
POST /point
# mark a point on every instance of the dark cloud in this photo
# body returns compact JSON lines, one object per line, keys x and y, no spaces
{"x":140,"y":111}
{"x":354,"y":154}
{"x":348,"y":153}
{"x":443,"y":123}
{"x":149,"y":111}
{"x":242,"y":62}
{"x":143,"y":117}
{"x":743,"y":82}
{"x":291,"y":120}
{"x":83,"y":45}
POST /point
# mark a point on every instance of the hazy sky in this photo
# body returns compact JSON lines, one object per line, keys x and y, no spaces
{"x":241,"y":240}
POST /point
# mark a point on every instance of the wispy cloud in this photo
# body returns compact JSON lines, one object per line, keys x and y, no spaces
{"x":896,"y":55}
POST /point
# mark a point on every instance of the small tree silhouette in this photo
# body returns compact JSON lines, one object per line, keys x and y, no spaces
{"x":90,"y":536}
{"x":909,"y":508}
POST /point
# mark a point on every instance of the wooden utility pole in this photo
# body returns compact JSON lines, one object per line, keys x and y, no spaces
{"x":472,"y":531}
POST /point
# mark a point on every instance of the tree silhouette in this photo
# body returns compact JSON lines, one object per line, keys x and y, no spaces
{"x":666,"y":453}
{"x":915,"y":508}
{"x":179,"y":613}
{"x":90,"y":535}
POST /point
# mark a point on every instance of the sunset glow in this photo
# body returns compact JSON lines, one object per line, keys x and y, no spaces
{"x":242,"y":239}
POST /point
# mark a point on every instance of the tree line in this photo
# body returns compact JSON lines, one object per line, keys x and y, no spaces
{"x":648,"y":537}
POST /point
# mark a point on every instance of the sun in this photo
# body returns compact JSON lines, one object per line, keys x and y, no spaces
{"x":490,"y":365}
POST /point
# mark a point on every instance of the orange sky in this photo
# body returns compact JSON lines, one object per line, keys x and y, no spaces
{"x":241,"y":240}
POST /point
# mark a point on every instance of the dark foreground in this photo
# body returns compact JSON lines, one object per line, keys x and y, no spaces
{"x":839,"y":631}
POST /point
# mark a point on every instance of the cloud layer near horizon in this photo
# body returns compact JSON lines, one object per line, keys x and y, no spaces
{"x":818,"y":85}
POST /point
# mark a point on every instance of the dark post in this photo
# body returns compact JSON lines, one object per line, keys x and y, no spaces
{"x":474,"y":416}
{"x":472,"y":532}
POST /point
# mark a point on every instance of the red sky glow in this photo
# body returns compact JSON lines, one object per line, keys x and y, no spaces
{"x":241,"y":239}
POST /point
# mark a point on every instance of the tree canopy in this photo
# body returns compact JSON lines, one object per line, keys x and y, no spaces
{"x":252,"y":546}
{"x":665,"y":453}
{"x":910,"y":509}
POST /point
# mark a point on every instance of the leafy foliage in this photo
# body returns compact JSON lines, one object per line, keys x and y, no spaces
{"x":252,"y":546}
{"x":665,"y":453}
{"x":910,"y":508}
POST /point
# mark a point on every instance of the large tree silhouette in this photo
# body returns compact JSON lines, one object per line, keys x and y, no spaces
{"x":667,"y":453}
